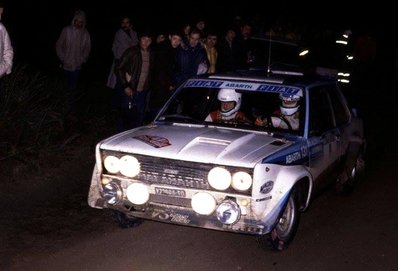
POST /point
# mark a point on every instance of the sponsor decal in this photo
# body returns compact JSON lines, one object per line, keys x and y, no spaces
{"x":245,"y":86}
{"x":290,"y":158}
{"x":267,"y":187}
{"x":238,"y":85}
{"x":178,"y":218}
{"x":263,"y":199}
{"x":154,"y":141}
{"x":203,"y":83}
{"x":280,"y":89}
{"x":295,"y":156}
{"x":172,"y":217}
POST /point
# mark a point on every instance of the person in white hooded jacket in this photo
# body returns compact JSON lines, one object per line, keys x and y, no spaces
{"x":73,"y":48}
{"x":6,"y":50}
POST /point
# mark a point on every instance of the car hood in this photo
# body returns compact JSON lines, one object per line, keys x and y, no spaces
{"x":197,"y":144}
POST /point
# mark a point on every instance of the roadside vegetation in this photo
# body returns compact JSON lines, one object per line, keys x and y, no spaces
{"x":37,"y":120}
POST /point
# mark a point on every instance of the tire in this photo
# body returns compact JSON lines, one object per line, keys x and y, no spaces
{"x":124,"y":221}
{"x":355,"y":175}
{"x":284,"y":231}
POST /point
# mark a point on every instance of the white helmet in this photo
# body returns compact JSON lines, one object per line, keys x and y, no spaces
{"x":289,"y":103}
{"x":230,"y":95}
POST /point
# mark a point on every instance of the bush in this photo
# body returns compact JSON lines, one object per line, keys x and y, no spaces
{"x":32,"y":113}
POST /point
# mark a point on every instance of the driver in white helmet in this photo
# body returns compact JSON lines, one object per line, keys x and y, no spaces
{"x":287,"y":117}
{"x":229,"y":108}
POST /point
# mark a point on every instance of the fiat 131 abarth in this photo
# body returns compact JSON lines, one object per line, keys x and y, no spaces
{"x":242,"y":152}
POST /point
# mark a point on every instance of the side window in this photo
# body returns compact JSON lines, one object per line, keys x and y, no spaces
{"x":340,"y":108}
{"x":321,"y":118}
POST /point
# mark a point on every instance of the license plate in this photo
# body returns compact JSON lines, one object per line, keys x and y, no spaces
{"x":170,"y":192}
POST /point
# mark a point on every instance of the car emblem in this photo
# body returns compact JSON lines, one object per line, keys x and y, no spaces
{"x":267,"y":187}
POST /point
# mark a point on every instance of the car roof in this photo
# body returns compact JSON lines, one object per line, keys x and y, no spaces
{"x":282,"y":76}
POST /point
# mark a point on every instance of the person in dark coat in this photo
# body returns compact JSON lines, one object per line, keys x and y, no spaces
{"x":134,"y":79}
{"x":164,"y":73}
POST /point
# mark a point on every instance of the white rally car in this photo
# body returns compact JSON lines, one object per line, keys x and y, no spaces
{"x":251,"y":171}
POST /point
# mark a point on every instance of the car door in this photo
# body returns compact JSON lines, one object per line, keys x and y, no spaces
{"x":324,"y":137}
{"x":342,"y":116}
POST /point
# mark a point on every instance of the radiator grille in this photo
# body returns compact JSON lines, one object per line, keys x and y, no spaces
{"x":182,"y":174}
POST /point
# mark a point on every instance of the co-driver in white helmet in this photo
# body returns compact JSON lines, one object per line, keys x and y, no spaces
{"x":287,"y":117}
{"x":229,"y":108}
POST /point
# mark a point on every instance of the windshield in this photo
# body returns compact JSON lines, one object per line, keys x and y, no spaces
{"x":257,"y":110}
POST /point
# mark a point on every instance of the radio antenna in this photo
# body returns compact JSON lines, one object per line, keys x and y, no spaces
{"x":269,"y":52}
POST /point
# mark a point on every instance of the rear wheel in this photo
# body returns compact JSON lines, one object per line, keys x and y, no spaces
{"x":284,"y":231}
{"x":125,"y":221}
{"x":354,"y":175}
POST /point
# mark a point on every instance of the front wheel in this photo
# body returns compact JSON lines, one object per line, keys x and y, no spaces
{"x":125,"y":221}
{"x":284,"y":231}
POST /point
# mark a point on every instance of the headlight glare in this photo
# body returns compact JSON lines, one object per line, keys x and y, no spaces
{"x":241,"y":181}
{"x":203,"y":203}
{"x":137,"y":193}
{"x":129,"y":166}
{"x":219,"y":178}
{"x":112,"y":164}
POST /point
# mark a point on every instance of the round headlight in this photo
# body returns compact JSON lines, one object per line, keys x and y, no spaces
{"x":203,"y":203}
{"x":219,"y":178}
{"x":111,"y":193}
{"x":112,"y":164}
{"x":241,"y":181}
{"x":228,"y":212}
{"x":129,"y":166}
{"x":137,"y":193}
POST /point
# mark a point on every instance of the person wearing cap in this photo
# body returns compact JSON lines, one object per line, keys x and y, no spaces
{"x":287,"y":117}
{"x":231,"y":102}
{"x":6,"y":50}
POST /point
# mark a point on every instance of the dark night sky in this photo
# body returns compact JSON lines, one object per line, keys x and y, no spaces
{"x":34,"y":26}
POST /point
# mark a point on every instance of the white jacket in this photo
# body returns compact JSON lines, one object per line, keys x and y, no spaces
{"x":6,"y":52}
{"x":74,"y":45}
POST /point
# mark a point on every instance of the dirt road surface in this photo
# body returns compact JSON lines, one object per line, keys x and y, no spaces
{"x":46,"y":224}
